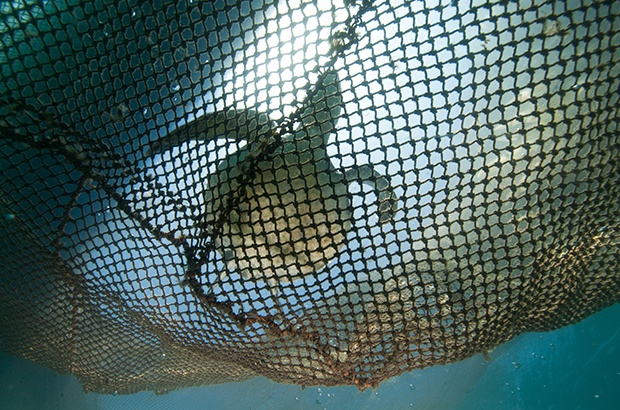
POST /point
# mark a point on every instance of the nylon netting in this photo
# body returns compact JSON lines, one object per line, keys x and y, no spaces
{"x":320,"y":193}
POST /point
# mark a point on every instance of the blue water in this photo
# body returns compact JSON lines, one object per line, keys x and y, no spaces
{"x":577,"y":367}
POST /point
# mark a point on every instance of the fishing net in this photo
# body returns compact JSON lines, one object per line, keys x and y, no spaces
{"x":320,"y":193}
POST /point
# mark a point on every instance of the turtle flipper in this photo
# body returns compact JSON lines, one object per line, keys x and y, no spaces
{"x":232,"y":124}
{"x":386,"y":197}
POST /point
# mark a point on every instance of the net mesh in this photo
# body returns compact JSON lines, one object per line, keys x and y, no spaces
{"x":320,"y":193}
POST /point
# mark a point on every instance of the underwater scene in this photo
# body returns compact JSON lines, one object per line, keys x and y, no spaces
{"x":299,"y":204}
{"x":577,"y":367}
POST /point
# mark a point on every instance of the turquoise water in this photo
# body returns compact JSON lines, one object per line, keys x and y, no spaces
{"x":572,"y":368}
{"x":577,"y":367}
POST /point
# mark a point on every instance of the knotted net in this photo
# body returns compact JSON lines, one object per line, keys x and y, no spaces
{"x":317,"y":192}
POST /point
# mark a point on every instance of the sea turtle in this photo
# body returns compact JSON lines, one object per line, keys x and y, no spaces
{"x":294,"y":213}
